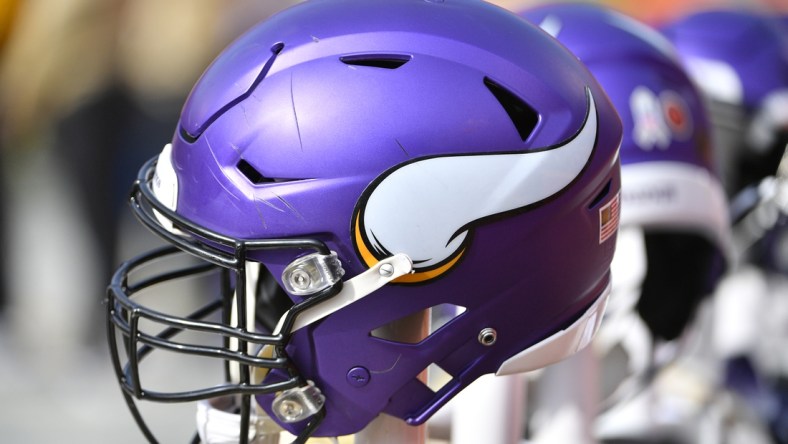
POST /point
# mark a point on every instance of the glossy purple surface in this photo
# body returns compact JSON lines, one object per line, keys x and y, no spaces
{"x":322,"y":130}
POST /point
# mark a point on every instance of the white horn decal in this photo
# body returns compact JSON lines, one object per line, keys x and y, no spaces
{"x":425,"y":208}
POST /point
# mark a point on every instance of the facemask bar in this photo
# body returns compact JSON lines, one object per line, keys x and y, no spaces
{"x":222,"y":253}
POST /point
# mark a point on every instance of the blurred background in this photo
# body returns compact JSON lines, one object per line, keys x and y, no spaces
{"x":89,"y":90}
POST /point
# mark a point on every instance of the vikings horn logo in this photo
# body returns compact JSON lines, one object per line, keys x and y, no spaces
{"x":426,"y":208}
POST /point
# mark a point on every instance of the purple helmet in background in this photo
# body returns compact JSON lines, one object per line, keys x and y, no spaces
{"x":348,"y":164}
{"x":671,"y":195}
{"x":739,"y":60}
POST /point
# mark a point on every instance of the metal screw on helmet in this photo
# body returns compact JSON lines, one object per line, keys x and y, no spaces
{"x":488,"y":336}
{"x":386,"y":270}
{"x":290,"y":408}
{"x":300,"y":279}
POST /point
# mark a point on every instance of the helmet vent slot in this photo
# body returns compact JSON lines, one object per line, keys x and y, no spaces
{"x":523,"y":116}
{"x":251,"y":173}
{"x":439,"y":316}
{"x":602,"y":194}
{"x":385,"y":61}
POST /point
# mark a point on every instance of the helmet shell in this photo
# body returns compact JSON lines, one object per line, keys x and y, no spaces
{"x":669,"y":172}
{"x":297,"y":124}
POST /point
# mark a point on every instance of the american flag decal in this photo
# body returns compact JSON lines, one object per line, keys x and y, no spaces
{"x":608,"y":218}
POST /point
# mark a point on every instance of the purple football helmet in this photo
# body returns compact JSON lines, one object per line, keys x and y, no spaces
{"x":739,"y":59}
{"x":347,"y":164}
{"x":670,"y":187}
{"x":675,"y":236}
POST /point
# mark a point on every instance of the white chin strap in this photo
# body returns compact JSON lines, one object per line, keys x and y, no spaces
{"x":218,"y":426}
